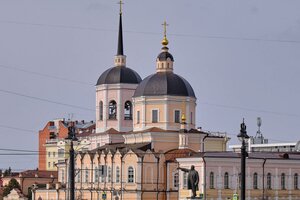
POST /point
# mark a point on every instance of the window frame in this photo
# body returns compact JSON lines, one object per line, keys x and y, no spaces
{"x":128,"y":116}
{"x":177,"y":121}
{"x":152,"y":115}
{"x":226,"y":180}
{"x":112,"y":105}
{"x":269,"y":181}
{"x":211,"y":180}
{"x":130,"y":175}
{"x":255,"y":181}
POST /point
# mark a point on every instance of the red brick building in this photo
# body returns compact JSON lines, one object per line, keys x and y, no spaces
{"x":58,"y":129}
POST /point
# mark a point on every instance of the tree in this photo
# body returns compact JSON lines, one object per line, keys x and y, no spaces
{"x":13,"y":183}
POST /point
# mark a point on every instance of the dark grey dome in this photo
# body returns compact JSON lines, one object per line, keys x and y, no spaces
{"x":164,"y":83}
{"x":119,"y":75}
{"x":163,"y":56}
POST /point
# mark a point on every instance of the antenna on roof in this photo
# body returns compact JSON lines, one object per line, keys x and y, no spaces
{"x":259,"y":122}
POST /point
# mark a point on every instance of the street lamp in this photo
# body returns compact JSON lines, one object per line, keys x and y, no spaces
{"x":72,"y":138}
{"x":242,"y":137}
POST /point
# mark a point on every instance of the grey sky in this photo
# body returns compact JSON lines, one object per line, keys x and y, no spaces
{"x":241,"y":57}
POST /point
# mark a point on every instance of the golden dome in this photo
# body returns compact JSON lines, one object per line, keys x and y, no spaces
{"x":165,"y":41}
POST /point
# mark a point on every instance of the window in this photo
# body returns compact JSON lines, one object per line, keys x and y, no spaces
{"x":101,"y":110}
{"x":112,"y":112}
{"x":226,"y":180}
{"x":282,"y":181}
{"x":154,"y":116}
{"x":185,"y":179}
{"x":255,"y":181}
{"x":49,"y":164}
{"x":109,"y":174}
{"x":175,"y":180}
{"x":53,"y":153}
{"x":96,"y":175}
{"x":128,"y":110}
{"x":138,"y":117}
{"x":130,"y":175}
{"x":117,"y":174}
{"x":49,"y":154}
{"x":191,"y":117}
{"x":53,"y":164}
{"x":61,"y":153}
{"x":296,"y":181}
{"x":62,"y":175}
{"x":177,"y":116}
{"x":86,"y":178}
{"x":211,"y":180}
{"x":269,"y":181}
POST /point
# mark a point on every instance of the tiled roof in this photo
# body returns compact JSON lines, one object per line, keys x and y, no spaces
{"x":178,"y":153}
{"x":39,"y":174}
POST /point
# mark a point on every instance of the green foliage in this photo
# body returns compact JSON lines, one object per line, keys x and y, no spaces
{"x":13,"y":183}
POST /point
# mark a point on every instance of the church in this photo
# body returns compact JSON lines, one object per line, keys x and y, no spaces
{"x":142,"y":127}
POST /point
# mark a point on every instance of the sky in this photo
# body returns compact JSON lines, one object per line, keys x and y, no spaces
{"x":241,"y":57}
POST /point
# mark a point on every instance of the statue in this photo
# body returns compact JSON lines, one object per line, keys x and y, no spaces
{"x":193,"y":179}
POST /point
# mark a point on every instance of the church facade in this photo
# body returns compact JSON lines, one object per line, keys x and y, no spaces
{"x":142,"y":126}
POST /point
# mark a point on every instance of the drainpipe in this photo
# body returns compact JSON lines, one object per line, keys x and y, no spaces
{"x":264,"y":177}
{"x":112,"y":176}
{"x":142,"y":178}
{"x":121,"y":178}
{"x":204,"y":174}
{"x":202,"y":148}
{"x":92,"y":176}
{"x":157,"y":177}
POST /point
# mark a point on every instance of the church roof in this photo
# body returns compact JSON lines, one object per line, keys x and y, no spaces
{"x":164,"y":83}
{"x":121,"y":74}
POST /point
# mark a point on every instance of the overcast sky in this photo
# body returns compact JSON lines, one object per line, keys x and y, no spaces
{"x":241,"y":57}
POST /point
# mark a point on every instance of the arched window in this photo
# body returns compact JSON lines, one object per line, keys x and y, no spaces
{"x":296,"y":181}
{"x":78,"y":175}
{"x":185,"y":180}
{"x":109,"y":174}
{"x":226,"y":180}
{"x":282,"y":181}
{"x":117,"y":174}
{"x":211,"y":180}
{"x":269,"y":181}
{"x":101,"y":110}
{"x":130,"y":175}
{"x":128,"y":110}
{"x":175,"y":180}
{"x":96,"y":175}
{"x":112,"y":112}
{"x":86,"y":178}
{"x":255,"y":181}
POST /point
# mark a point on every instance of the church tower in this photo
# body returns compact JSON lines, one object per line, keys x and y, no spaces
{"x":161,"y":98}
{"x":114,"y":90}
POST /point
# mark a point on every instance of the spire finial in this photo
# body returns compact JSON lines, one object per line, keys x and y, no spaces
{"x":165,"y":41}
{"x":120,"y":38}
{"x":120,"y":2}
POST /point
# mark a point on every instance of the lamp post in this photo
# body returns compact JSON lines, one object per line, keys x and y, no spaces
{"x":242,"y":137}
{"x":72,"y":138}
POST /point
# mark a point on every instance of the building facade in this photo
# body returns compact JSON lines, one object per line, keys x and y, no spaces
{"x":142,"y":126}
{"x":269,"y":175}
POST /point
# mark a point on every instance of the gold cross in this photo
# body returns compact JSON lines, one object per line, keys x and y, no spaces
{"x":165,"y":28}
{"x":121,"y":2}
